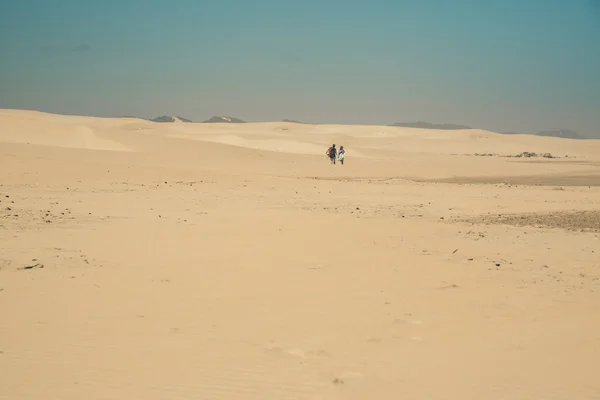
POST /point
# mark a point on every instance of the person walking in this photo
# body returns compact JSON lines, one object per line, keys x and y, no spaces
{"x":332,"y":153}
{"x":341,"y":155}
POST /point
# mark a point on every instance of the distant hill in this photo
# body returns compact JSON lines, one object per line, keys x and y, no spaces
{"x":561,"y":133}
{"x":224,"y":119}
{"x":168,"y":118}
{"x":294,"y":122}
{"x":427,"y":125}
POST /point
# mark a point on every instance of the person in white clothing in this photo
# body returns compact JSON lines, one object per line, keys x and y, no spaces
{"x":341,"y":154}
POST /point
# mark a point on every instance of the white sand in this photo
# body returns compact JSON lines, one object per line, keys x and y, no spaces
{"x":231,"y":261}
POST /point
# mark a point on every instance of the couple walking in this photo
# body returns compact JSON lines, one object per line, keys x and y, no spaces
{"x":333,"y":153}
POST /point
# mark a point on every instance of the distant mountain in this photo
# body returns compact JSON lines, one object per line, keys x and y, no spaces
{"x":226,"y":120}
{"x":168,"y":118}
{"x":294,"y":122}
{"x":427,"y":125}
{"x":561,"y":133}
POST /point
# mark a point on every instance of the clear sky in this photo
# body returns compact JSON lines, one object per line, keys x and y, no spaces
{"x":504,"y":65}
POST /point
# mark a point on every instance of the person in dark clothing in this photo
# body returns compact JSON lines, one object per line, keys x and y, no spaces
{"x":332,"y":153}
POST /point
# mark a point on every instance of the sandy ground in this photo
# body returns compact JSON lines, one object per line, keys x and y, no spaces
{"x":144,"y":260}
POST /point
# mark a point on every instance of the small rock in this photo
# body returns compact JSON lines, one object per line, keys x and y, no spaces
{"x":38,"y":265}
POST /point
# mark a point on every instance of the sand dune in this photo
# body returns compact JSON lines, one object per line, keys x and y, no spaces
{"x":231,"y":261}
{"x":41,"y":129}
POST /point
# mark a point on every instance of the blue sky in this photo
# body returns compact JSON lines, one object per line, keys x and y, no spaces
{"x":510,"y":65}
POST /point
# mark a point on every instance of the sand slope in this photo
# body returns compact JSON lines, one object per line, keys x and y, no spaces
{"x":42,"y":129}
{"x":144,"y":260}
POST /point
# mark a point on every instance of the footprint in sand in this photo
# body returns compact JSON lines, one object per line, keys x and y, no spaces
{"x":296,"y":352}
{"x":293,"y":352}
{"x":342,"y":378}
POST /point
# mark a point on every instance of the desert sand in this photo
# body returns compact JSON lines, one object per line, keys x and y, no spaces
{"x":143,"y":260}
